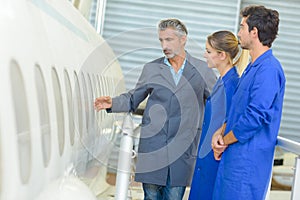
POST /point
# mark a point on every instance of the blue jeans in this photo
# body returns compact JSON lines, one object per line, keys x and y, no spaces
{"x":160,"y":192}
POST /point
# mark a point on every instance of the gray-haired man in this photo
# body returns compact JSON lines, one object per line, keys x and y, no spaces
{"x":177,"y":86}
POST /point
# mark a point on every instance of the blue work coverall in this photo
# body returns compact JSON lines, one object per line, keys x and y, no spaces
{"x":254,"y":117}
{"x":215,"y":112}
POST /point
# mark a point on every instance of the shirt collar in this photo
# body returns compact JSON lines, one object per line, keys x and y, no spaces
{"x":262,"y":57}
{"x":166,"y":61}
{"x":228,"y":75}
{"x":257,"y":61}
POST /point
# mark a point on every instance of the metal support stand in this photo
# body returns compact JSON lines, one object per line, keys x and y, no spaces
{"x":296,"y":185}
{"x":125,"y":159}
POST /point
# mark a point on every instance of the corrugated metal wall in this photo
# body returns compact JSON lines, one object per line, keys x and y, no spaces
{"x":287,"y":48}
{"x":130,"y":28}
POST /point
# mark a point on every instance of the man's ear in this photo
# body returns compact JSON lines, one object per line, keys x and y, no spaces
{"x":183,"y":38}
{"x":254,"y":32}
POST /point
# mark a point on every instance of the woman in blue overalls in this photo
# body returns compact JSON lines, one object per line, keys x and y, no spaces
{"x":222,"y":53}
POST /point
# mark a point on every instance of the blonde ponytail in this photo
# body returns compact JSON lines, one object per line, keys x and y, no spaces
{"x":242,"y":61}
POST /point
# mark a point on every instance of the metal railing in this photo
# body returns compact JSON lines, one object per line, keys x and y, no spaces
{"x":294,"y":147}
{"x":125,"y":159}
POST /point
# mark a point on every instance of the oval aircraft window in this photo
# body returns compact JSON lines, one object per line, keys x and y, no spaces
{"x":77,"y":107}
{"x":44,"y":114}
{"x":21,"y":121}
{"x":85,"y":103}
{"x":91,"y":112}
{"x":59,"y":111}
{"x":99,"y":93}
{"x":70,"y":111}
{"x":104,"y":92}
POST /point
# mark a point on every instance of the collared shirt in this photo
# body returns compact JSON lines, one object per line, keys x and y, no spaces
{"x":176,"y":76}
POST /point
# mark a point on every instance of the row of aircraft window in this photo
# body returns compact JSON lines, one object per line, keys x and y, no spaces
{"x":74,"y":112}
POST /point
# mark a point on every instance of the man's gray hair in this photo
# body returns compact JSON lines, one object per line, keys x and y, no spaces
{"x":173,"y":23}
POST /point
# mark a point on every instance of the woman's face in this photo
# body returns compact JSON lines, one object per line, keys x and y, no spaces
{"x":212,"y":56}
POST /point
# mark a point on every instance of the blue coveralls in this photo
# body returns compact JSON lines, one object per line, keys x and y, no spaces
{"x":215,"y":111}
{"x":254,"y":117}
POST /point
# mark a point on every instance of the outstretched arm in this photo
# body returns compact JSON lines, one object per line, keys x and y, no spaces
{"x":103,"y":102}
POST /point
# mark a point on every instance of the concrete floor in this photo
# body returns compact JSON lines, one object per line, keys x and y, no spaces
{"x":135,"y":192}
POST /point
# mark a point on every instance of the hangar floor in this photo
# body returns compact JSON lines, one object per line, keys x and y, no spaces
{"x":136,"y":193}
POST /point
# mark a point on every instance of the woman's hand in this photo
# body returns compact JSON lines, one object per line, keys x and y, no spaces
{"x":217,"y":142}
